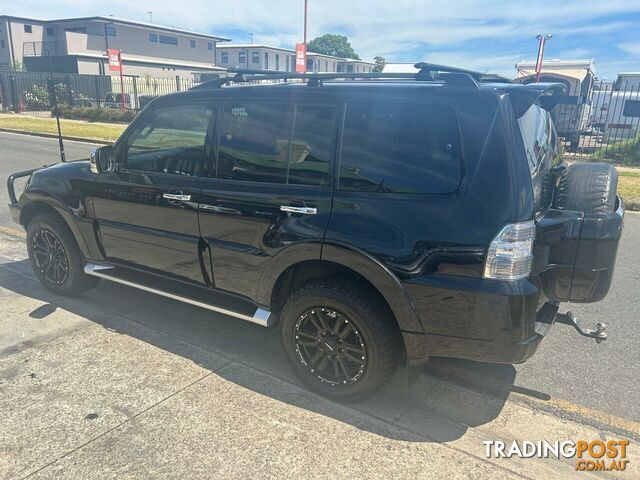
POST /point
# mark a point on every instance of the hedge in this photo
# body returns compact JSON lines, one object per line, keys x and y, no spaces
{"x":108,"y":115}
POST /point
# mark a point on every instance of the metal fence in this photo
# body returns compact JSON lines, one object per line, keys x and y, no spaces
{"x":29,"y":92}
{"x":603,"y":124}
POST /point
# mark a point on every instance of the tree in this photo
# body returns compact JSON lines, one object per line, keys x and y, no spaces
{"x":380,"y":62}
{"x":332,"y":44}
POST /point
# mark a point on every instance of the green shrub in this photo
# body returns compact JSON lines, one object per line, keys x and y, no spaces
{"x":108,"y":115}
{"x":625,"y":152}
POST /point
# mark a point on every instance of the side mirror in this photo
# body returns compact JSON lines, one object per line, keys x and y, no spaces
{"x":102,"y":160}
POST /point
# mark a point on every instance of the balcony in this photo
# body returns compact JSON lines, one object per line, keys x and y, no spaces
{"x":43,"y":49}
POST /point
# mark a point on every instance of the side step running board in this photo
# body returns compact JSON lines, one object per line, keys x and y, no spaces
{"x":260,"y":317}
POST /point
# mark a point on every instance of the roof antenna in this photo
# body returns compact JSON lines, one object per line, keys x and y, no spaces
{"x":53,"y":104}
{"x":150,"y":17}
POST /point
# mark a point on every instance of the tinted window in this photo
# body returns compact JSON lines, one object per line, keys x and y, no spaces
{"x":535,"y":128}
{"x":169,"y":140}
{"x":312,"y":144}
{"x":631,"y":108}
{"x":153,"y":37}
{"x":168,"y":40}
{"x":254,"y":142}
{"x":402,"y":148}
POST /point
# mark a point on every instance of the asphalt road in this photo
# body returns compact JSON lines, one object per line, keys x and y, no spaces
{"x":567,"y":366}
{"x":22,"y":152}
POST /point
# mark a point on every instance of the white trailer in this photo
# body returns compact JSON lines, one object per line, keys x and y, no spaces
{"x":616,"y":109}
{"x":572,"y":115}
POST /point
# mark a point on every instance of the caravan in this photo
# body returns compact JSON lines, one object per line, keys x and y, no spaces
{"x":616,"y":108}
{"x":572,"y":116}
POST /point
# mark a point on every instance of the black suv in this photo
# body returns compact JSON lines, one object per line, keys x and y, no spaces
{"x":382,"y":219}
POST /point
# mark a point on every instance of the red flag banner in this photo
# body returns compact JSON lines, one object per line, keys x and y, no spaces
{"x":301,"y":58}
{"x":115,"y":61}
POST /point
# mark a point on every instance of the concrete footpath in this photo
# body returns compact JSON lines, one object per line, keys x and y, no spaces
{"x":124,"y":384}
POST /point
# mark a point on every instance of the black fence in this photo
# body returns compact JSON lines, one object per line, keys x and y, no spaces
{"x":605,"y":125}
{"x":29,"y":92}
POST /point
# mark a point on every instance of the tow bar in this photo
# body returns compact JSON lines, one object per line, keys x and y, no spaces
{"x":599,"y":334}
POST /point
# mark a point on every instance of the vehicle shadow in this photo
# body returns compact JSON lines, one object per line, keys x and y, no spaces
{"x":434,"y":409}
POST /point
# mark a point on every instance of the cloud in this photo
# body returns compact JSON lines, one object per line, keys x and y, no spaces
{"x":633,"y":48}
{"x":489,"y":32}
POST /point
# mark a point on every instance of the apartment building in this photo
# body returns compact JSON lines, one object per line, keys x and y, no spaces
{"x":267,"y":57}
{"x":256,"y":57}
{"x":78,"y":45}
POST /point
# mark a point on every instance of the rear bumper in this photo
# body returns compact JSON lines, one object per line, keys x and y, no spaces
{"x":478,"y":319}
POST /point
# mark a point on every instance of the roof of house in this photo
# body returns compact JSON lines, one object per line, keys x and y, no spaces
{"x":254,"y":46}
{"x":121,"y":21}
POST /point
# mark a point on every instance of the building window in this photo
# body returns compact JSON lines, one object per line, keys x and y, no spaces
{"x":50,"y":32}
{"x":166,"y":39}
{"x":287,"y":62}
{"x":2,"y":44}
{"x":224,"y":57}
{"x":242,"y":57}
{"x":110,"y":30}
{"x":28,"y":29}
{"x":277,"y":61}
{"x":192,"y":43}
{"x":255,"y":57}
{"x":153,"y":37}
{"x":210,"y":46}
{"x":266,"y":60}
{"x":310,"y":63}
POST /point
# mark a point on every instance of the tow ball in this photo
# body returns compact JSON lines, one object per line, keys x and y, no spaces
{"x":599,"y":334}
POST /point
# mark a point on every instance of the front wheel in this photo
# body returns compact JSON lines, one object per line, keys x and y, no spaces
{"x":341,"y":341}
{"x":55,"y":257}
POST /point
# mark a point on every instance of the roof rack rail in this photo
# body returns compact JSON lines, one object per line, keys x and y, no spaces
{"x":450,"y":76}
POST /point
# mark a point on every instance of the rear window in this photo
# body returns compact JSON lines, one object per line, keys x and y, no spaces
{"x":537,"y":135}
{"x":400,"y":148}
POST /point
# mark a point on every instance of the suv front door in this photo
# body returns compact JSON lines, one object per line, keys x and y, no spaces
{"x":147,"y":209}
{"x":268,"y":189}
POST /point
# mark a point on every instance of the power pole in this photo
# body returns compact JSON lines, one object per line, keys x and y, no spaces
{"x":543,"y":41}
{"x":150,"y":17}
{"x":251,"y":37}
{"x":305,"y":22}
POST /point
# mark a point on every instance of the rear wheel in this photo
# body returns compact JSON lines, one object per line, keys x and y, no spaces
{"x":340,"y":340}
{"x":587,"y":187}
{"x":55,"y":256}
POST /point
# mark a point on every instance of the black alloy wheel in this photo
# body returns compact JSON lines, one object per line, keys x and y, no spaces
{"x":50,"y":257}
{"x":330,"y":346}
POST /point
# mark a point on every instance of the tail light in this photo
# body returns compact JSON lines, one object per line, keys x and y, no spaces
{"x":510,"y":254}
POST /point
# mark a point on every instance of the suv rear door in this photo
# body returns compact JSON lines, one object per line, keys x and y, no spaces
{"x":147,"y":209}
{"x":268,"y":189}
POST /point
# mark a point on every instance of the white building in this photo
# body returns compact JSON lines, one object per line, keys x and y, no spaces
{"x":256,"y":57}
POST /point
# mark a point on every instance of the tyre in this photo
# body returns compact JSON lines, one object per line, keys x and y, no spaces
{"x":55,"y":256}
{"x":587,"y":187}
{"x":340,"y":340}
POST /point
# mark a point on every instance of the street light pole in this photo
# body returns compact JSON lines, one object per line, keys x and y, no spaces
{"x":543,"y":40}
{"x":305,"y":22}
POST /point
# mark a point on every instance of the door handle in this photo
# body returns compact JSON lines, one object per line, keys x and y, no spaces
{"x":301,"y":210}
{"x":176,"y":196}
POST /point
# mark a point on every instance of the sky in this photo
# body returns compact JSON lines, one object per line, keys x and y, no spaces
{"x":484,"y":35}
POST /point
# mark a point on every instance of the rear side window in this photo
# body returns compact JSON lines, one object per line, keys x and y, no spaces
{"x":312,"y":145}
{"x":254,"y":144}
{"x":400,"y":148}
{"x":537,"y":135}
